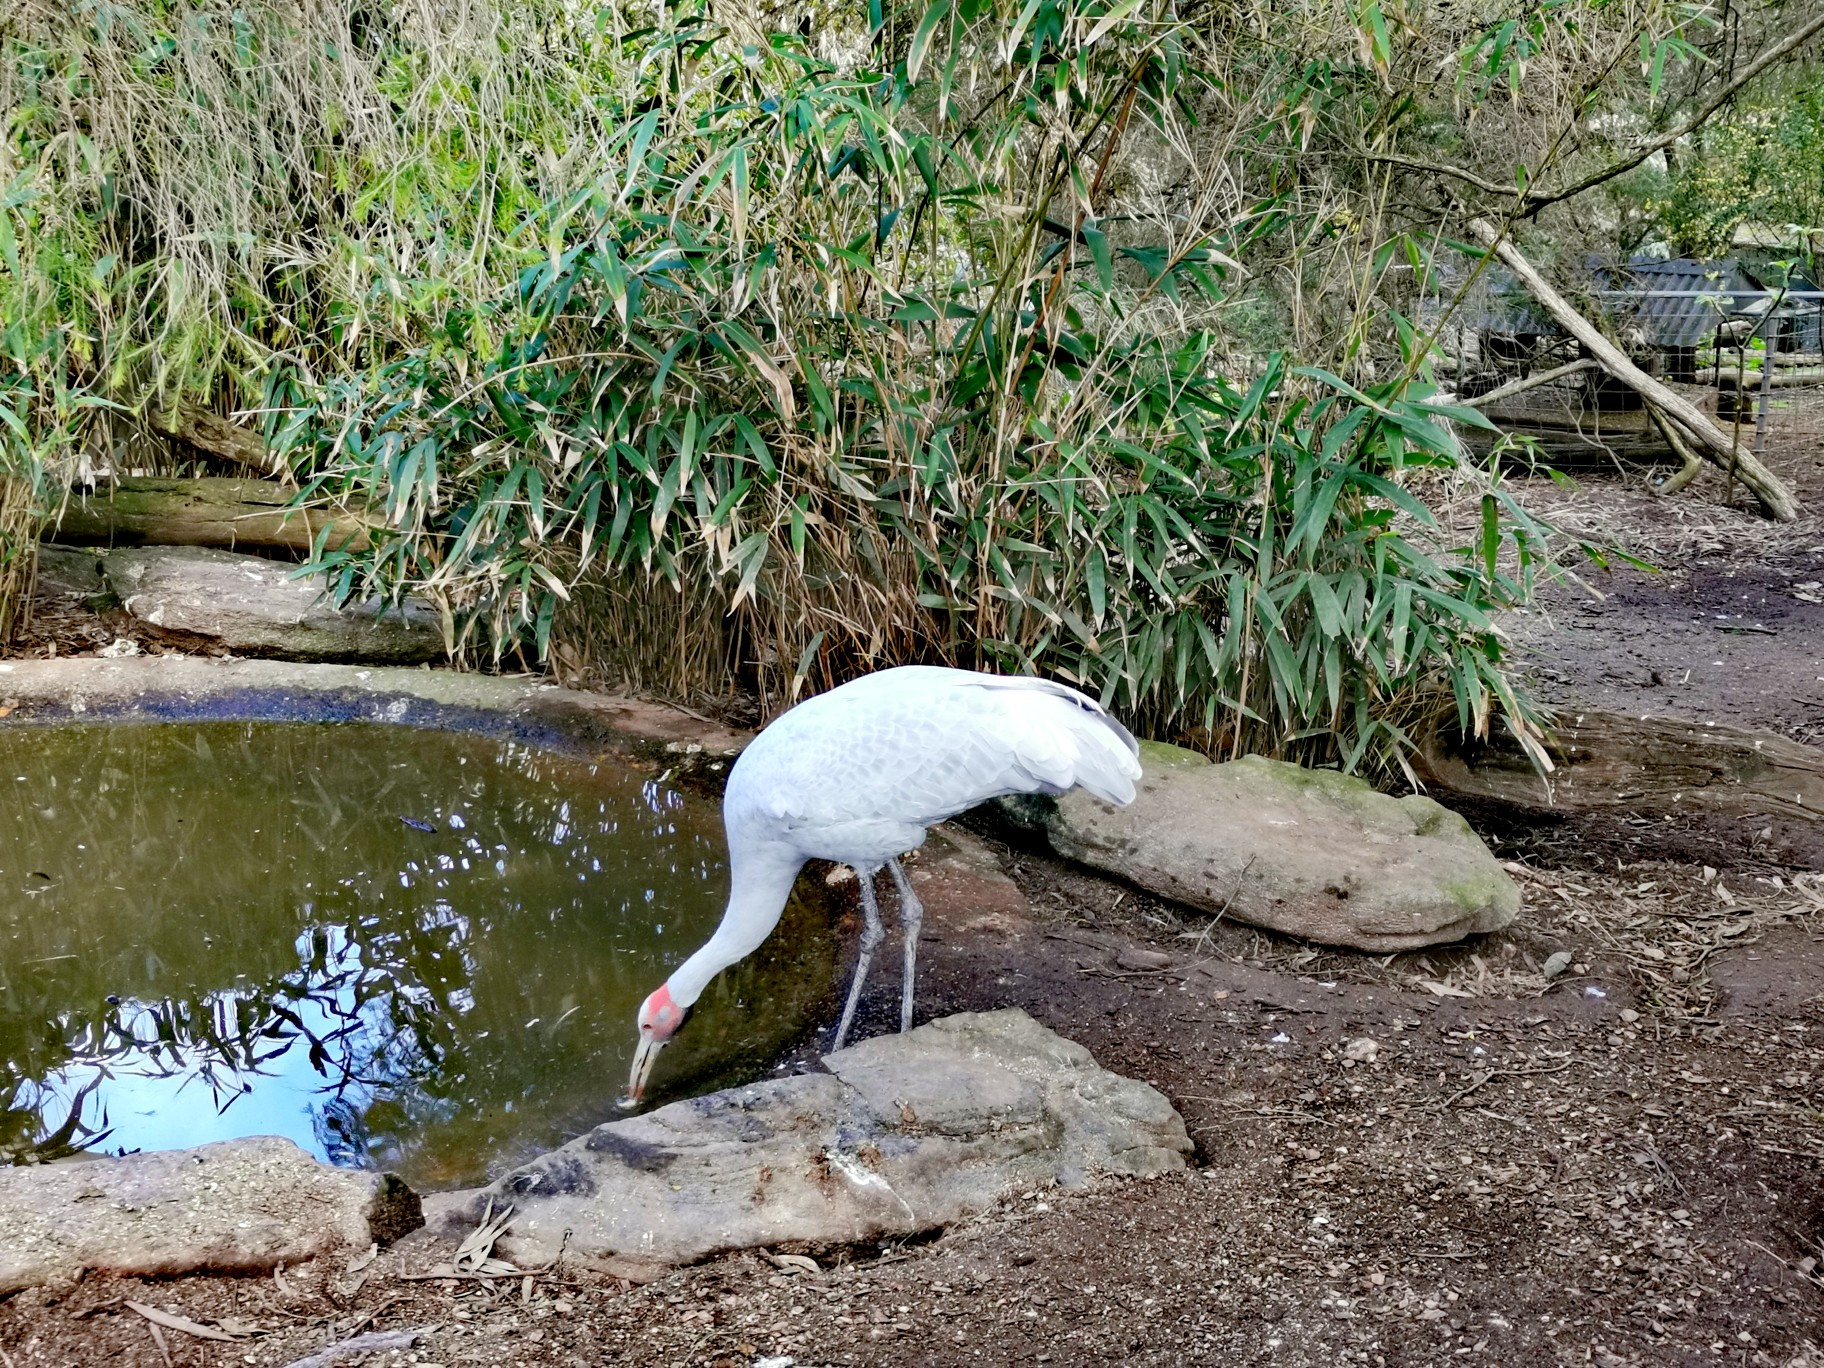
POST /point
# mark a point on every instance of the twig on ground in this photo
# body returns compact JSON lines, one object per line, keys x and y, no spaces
{"x":184,"y":1325}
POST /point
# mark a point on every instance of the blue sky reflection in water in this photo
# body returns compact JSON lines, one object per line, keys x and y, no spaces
{"x":228,"y":929}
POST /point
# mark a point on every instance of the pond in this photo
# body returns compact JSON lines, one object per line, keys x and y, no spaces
{"x":412,"y":949}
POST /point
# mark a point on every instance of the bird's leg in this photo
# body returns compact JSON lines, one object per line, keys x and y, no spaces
{"x":911,"y":916}
{"x":872,"y":934}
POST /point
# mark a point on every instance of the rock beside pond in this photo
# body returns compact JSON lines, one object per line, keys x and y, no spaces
{"x":1311,"y":853}
{"x":905,"y":1133}
{"x":236,"y":1206}
{"x":250,"y":606}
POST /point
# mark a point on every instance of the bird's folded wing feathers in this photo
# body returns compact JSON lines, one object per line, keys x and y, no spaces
{"x":920,"y":744}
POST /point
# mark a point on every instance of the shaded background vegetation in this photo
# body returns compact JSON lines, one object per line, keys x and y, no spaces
{"x":737,"y":350}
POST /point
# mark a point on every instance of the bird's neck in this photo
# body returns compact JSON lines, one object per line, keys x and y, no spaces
{"x":759,"y":883}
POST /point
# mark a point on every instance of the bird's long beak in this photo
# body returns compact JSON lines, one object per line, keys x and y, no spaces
{"x":643,"y":1060}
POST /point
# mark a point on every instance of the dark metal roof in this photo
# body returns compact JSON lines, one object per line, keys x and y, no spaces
{"x":1499,"y":303}
{"x":1677,"y":303}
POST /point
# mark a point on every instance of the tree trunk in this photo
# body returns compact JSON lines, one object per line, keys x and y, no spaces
{"x":238,"y":515}
{"x":1711,"y":441}
{"x":1779,"y":379}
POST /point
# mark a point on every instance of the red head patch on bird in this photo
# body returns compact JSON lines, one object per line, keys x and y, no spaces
{"x":660,"y":1017}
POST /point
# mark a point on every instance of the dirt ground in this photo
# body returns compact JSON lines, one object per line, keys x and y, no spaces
{"x":1619,"y":1165}
{"x":1728,"y":629}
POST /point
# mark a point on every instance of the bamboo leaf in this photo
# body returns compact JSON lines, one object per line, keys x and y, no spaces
{"x":1097,"y":243}
{"x":1324,"y":604}
{"x":937,"y":12}
{"x":1108,"y":21}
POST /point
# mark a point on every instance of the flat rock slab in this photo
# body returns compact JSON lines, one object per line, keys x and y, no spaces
{"x":1311,"y":853}
{"x":250,"y":606}
{"x":189,"y":688}
{"x":905,"y":1133}
{"x":237,"y":1205}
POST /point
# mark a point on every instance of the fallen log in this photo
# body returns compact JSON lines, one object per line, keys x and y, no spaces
{"x":216,"y":436}
{"x":1592,"y":424}
{"x":1710,"y":441}
{"x":1654,"y":764}
{"x":1780,"y":379}
{"x":1579,"y":439}
{"x":235,"y":515}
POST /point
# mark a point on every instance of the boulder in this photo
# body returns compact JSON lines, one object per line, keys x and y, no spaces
{"x":1311,"y":853}
{"x":65,"y":573}
{"x":905,"y":1133}
{"x":236,"y":1205}
{"x":252,"y":607}
{"x":1156,"y":756}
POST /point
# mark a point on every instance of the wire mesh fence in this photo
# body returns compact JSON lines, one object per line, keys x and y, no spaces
{"x":1751,"y":357}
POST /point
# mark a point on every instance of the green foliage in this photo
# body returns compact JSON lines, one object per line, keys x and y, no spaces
{"x":211,"y":202}
{"x":846,"y":364}
{"x":46,"y":408}
{"x":1032,"y":335}
{"x":1763,"y":166}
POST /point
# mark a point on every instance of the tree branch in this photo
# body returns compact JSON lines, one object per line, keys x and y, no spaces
{"x":1693,"y":463}
{"x":1530,"y":202}
{"x":1770,"y":57}
{"x":1776,"y":499}
{"x":218,"y":437}
{"x":1439,"y":169}
{"x":1528,"y":382}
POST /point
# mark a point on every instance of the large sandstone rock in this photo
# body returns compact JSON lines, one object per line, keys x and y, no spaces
{"x":251,"y":607}
{"x":1312,"y":853}
{"x":904,"y":1133}
{"x":236,"y":1205}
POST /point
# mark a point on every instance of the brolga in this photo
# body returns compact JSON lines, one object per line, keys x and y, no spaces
{"x":855,"y":776}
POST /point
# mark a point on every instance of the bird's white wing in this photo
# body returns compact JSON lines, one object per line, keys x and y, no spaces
{"x":876,"y":761}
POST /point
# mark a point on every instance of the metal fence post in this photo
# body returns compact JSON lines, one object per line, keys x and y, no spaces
{"x":1770,"y":348}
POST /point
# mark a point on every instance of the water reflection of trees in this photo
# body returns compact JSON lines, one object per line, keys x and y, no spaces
{"x":446,"y":996}
{"x":358,"y":1013}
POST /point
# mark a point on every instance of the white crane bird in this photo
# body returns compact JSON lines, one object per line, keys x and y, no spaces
{"x":855,"y":776}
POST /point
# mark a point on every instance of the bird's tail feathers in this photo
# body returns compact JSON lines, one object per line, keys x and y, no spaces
{"x":1108,"y":759}
{"x":1070,"y":740}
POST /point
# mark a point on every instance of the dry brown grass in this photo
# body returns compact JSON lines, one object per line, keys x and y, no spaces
{"x":18,"y":554}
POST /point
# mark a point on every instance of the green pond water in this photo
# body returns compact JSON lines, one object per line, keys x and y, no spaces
{"x":416,"y":950}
